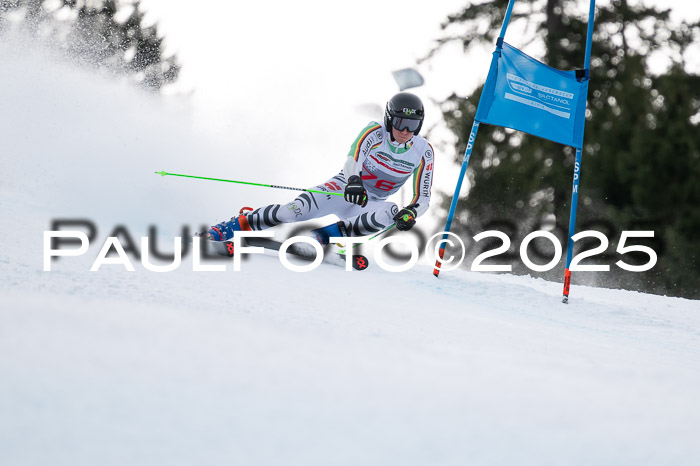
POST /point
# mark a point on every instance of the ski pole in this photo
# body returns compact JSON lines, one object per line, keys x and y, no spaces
{"x":351,"y":246}
{"x":164,"y":173}
{"x":380,"y":233}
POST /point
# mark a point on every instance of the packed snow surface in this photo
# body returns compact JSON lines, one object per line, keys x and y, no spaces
{"x":270,"y":367}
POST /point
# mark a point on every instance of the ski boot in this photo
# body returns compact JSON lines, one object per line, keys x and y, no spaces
{"x":335,"y":230}
{"x":224,"y":230}
{"x":324,"y":234}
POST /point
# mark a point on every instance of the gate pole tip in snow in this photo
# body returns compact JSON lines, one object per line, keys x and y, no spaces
{"x":567,"y":284}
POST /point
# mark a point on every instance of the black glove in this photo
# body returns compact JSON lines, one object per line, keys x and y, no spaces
{"x":406,"y":218}
{"x":355,"y":191}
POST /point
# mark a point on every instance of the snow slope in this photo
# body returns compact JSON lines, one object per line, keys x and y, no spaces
{"x":269,"y":367}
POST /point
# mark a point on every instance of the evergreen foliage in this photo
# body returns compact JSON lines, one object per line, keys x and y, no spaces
{"x":641,"y":157}
{"x":104,"y":34}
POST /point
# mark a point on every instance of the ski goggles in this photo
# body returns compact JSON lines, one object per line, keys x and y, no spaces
{"x":408,"y":124}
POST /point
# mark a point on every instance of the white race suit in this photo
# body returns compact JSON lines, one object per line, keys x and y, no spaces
{"x":384,"y":166}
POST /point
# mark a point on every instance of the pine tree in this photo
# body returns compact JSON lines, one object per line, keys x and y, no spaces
{"x":88,"y":32}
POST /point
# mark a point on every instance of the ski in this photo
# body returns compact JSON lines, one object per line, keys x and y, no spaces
{"x":359,"y":262}
{"x":226,"y":248}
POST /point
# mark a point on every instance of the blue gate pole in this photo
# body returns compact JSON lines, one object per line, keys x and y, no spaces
{"x":455,"y":196}
{"x":572,"y":226}
{"x":577,"y":165}
{"x":468,"y":151}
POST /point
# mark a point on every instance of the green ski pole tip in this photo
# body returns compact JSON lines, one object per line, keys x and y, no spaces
{"x":162,"y":173}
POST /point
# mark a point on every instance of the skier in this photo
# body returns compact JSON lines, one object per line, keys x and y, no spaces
{"x":380,"y":161}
